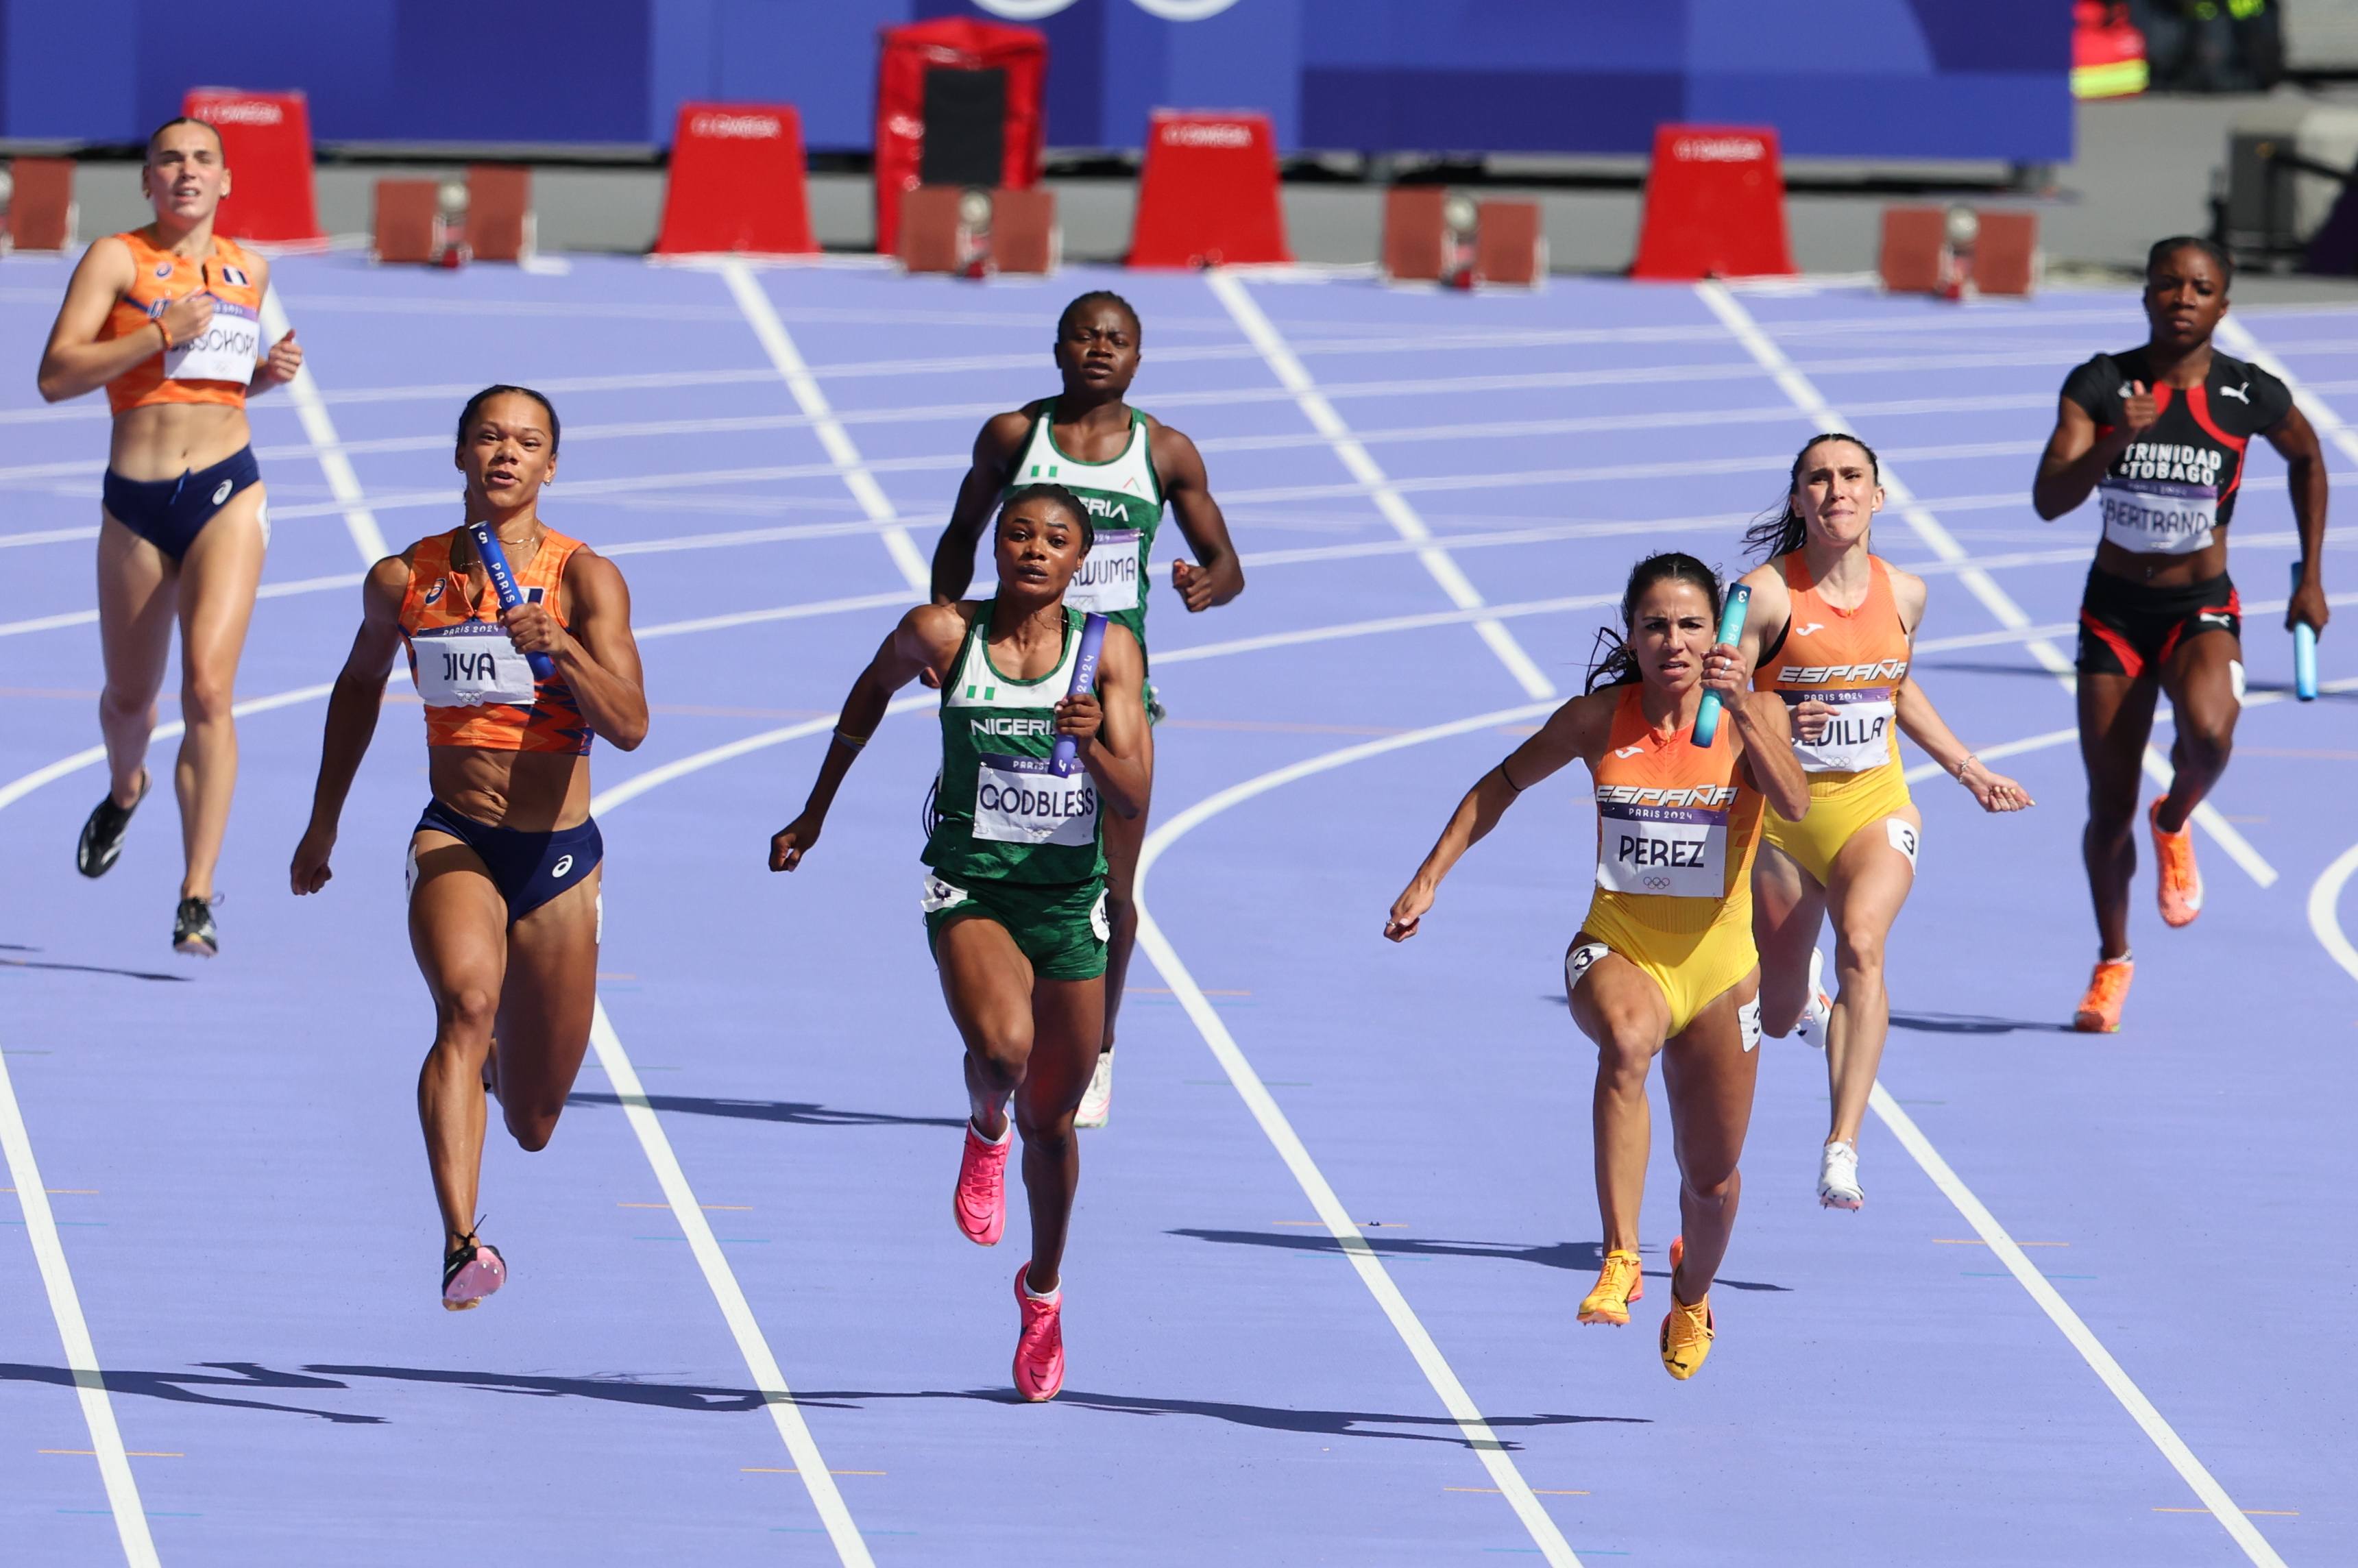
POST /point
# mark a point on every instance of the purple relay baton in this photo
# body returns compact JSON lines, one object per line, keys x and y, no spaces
{"x":1063,"y":758}
{"x":503,"y":583}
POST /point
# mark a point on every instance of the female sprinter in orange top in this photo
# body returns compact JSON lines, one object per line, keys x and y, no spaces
{"x":168,"y":319}
{"x":1664,"y":961}
{"x":504,"y":866}
{"x":1831,"y":632}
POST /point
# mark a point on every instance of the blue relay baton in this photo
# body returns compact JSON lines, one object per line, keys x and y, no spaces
{"x":1064,"y":757}
{"x":503,"y":583}
{"x":2304,"y":649}
{"x":1731,"y":627}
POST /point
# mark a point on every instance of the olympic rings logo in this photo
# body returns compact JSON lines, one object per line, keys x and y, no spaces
{"x":1658,"y":884}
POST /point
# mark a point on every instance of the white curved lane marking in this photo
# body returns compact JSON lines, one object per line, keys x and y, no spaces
{"x":1338,"y":1222}
{"x":2324,"y":909}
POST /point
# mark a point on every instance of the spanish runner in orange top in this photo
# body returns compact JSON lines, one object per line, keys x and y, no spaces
{"x":1832,"y":631}
{"x":168,"y":318}
{"x":1664,"y":961}
{"x":504,"y":913}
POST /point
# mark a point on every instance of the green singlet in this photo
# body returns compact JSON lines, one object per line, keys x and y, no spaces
{"x":1125,"y":502}
{"x":1000,"y":814}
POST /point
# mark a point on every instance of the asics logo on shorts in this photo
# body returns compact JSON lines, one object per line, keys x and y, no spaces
{"x":563,"y":866}
{"x":1709,"y":797}
{"x":1821,"y":674}
{"x":221,"y":492}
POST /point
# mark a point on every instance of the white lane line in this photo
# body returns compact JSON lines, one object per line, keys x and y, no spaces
{"x":1264,"y":335}
{"x":319,"y":429}
{"x":810,"y":1466}
{"x":2330,"y":424}
{"x":763,"y":317}
{"x":40,"y":1223}
{"x":902,"y":598}
{"x":2066,"y":737}
{"x":1814,"y":406}
{"x":73,"y":1333}
{"x":631,"y":788}
{"x":1289,"y":1145}
{"x":48,"y":623}
{"x":45,"y":537}
{"x":1388,"y":624}
{"x":267,"y":590}
{"x":2050,"y":1301}
{"x":2324,"y":909}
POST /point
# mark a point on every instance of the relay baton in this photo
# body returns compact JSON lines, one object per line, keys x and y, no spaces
{"x":1064,"y":757}
{"x":1731,"y":627}
{"x":2304,"y":649}
{"x":503,"y":583}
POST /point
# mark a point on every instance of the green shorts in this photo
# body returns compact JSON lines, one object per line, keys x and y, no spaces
{"x":1060,"y":927}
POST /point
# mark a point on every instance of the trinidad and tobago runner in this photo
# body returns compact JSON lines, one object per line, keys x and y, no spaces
{"x":1033,"y":755}
{"x":2158,"y":434}
{"x":1124,"y":465}
{"x":521,"y":647}
{"x":1832,"y":633}
{"x":168,"y":318}
{"x":1664,"y":963}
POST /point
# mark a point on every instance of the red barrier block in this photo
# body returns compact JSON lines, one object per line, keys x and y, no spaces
{"x":408,"y":222}
{"x":1024,"y":232}
{"x":2005,"y":253}
{"x":1714,"y":205}
{"x":267,"y":143}
{"x":985,"y":83}
{"x":1510,"y":245}
{"x":499,"y":211}
{"x":1915,"y":257}
{"x":934,"y":236}
{"x":41,"y":204}
{"x":736,"y":182}
{"x":1208,"y":194}
{"x":1417,"y":247}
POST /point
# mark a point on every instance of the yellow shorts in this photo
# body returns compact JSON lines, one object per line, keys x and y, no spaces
{"x":1840,"y":805}
{"x":1690,"y":969}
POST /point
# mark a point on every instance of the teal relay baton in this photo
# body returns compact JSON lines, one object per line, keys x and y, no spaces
{"x":1731,"y":627}
{"x":2304,"y":649}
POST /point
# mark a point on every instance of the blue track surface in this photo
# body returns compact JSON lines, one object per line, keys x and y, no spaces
{"x":239,"y":1187}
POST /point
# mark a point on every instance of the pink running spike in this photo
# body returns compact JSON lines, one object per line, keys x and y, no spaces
{"x":1040,"y":1349}
{"x":980,"y":1203}
{"x":466,"y":1286}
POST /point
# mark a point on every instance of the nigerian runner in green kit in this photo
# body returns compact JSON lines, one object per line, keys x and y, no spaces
{"x":1124,"y":465}
{"x":1014,"y":896}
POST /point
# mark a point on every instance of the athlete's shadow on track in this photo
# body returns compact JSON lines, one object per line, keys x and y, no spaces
{"x":1971,"y":1023}
{"x":1581,"y":1257}
{"x":1270,"y":1418}
{"x":618,"y":1388}
{"x":797,"y":1111}
{"x":81,"y":968}
{"x":169,"y":1386}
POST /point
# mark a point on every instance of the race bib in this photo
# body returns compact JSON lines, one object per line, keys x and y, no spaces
{"x":1858,"y":736}
{"x":1662,"y":852}
{"x":1108,"y":581}
{"x":1019,"y":800}
{"x":2158,"y":517}
{"x":469,"y":665}
{"x":225,"y":350}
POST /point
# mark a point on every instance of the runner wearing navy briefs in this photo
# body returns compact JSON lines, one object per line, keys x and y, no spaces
{"x":1123,"y":465}
{"x":2160,"y":434}
{"x":505,"y":864}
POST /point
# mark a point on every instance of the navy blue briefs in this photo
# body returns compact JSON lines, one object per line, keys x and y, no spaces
{"x":529,"y":869}
{"x":170,"y":512}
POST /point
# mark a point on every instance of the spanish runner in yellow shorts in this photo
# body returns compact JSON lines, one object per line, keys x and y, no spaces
{"x":1831,"y":632}
{"x":1664,"y":963}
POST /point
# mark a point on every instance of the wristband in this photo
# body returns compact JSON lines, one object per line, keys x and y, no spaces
{"x":166,"y":331}
{"x":854,"y":742}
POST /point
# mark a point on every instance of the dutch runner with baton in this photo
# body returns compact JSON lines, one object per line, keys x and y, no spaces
{"x":1664,"y":963}
{"x":2159,"y":436}
{"x":1123,"y":465}
{"x":519,"y":666}
{"x":168,"y":318}
{"x":1832,"y":633}
{"x":1014,"y":897}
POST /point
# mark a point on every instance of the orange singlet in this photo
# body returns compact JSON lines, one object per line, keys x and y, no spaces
{"x":213,"y":367}
{"x":1676,"y":827}
{"x":1853,"y":660}
{"x":479,"y":691}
